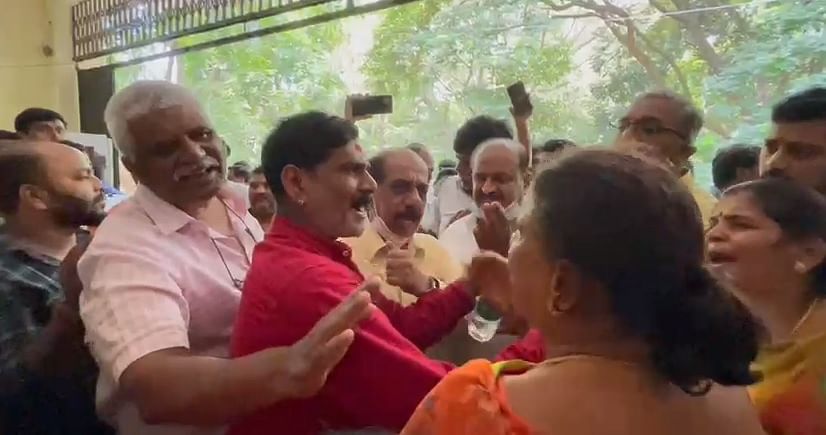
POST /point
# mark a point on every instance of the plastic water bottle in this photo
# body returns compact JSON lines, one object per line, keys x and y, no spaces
{"x":483,"y":321}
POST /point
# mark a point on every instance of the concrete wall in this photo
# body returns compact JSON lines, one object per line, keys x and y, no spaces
{"x":28,"y":76}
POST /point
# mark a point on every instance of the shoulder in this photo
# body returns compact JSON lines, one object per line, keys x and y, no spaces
{"x":124,"y":222}
{"x":466,"y":401}
{"x":732,"y":411}
{"x":428,"y":243}
{"x":465,"y":387}
{"x":126,"y":232}
{"x":460,"y":228}
{"x":281,"y":270}
{"x":366,"y":244}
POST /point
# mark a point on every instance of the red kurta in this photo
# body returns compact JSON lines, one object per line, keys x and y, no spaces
{"x":296,"y":278}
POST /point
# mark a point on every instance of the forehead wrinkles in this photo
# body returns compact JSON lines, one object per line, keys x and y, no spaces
{"x":167,"y":123}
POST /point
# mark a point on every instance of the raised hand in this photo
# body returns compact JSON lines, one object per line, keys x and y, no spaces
{"x":488,"y":274}
{"x":348,"y":108}
{"x":310,"y":361}
{"x":493,"y":232}
{"x":401,"y":271}
{"x":524,"y":112}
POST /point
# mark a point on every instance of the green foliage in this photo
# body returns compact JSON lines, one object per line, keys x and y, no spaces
{"x":447,"y":60}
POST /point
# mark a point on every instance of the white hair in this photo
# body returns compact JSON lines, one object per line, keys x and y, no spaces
{"x":138,"y":99}
{"x":515,"y":146}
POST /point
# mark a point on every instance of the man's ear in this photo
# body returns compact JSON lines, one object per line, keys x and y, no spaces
{"x":294,"y":181}
{"x":33,"y":196}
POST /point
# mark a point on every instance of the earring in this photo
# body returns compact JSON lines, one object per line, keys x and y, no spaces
{"x":800,"y":267}
{"x":301,"y":203}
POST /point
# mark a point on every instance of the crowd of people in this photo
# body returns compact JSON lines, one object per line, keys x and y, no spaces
{"x":326,"y":291}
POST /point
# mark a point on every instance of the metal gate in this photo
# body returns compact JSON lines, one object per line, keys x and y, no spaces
{"x":104,"y":27}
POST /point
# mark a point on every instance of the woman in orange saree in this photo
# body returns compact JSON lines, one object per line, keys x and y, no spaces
{"x":639,"y":338}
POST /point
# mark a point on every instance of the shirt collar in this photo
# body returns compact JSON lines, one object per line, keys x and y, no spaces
{"x":8,"y":246}
{"x":377,"y":247}
{"x":169,"y":218}
{"x":298,"y":236}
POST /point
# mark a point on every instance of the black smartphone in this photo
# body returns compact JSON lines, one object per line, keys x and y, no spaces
{"x":520,"y":100}
{"x":371,"y":105}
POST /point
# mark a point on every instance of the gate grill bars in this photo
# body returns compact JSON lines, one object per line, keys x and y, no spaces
{"x":104,"y":27}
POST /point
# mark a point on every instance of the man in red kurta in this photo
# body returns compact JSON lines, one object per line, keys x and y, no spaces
{"x":318,"y":173}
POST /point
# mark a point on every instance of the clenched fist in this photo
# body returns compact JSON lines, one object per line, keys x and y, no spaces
{"x":401,"y":271}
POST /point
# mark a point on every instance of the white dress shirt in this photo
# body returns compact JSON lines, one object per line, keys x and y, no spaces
{"x":447,"y":201}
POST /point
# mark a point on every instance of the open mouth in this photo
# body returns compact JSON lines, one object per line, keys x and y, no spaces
{"x":199,"y":173}
{"x":716,"y":258}
{"x":361,"y":206}
{"x":360,"y":210}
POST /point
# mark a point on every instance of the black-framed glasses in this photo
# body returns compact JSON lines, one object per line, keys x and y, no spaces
{"x":648,"y":127}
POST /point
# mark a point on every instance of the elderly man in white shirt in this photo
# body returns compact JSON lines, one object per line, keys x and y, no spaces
{"x":162,"y":281}
{"x":500,"y":176}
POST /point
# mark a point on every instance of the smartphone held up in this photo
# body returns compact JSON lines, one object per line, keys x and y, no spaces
{"x":520,"y":99}
{"x":367,"y":105}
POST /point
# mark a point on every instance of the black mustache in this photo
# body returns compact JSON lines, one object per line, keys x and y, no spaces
{"x":491,"y":198}
{"x":364,"y":201}
{"x":410,"y":214}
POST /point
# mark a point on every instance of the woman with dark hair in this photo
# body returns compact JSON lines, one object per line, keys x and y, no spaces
{"x":639,"y":339}
{"x":768,"y":242}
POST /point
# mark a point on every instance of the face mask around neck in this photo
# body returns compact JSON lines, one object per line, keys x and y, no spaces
{"x":384,"y":231}
{"x":512,"y":212}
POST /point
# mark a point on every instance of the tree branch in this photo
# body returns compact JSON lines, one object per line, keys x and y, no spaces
{"x":696,"y":35}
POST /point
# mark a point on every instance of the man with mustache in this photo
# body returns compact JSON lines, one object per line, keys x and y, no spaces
{"x":319,"y":175}
{"x":262,"y":201}
{"x":162,"y":281}
{"x":410,"y":264}
{"x":499,"y":170}
{"x":48,"y":191}
{"x":796,"y":148}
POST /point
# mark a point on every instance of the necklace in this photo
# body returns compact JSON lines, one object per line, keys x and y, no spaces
{"x":805,"y":316}
{"x":589,"y":357}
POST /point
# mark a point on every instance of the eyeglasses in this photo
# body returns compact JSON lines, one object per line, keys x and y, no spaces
{"x":648,"y":127}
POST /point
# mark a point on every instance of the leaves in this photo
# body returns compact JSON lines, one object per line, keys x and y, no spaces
{"x":447,"y":60}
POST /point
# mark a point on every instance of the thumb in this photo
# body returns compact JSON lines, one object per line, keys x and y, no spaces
{"x":399,"y":251}
{"x":371,"y":286}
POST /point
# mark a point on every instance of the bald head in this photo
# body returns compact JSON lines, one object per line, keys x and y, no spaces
{"x":499,"y":168}
{"x":501,"y":148}
{"x":395,"y":158}
{"x":422,"y":151}
{"x":400,"y":197}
